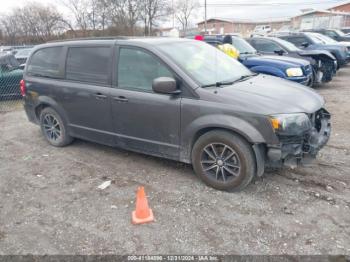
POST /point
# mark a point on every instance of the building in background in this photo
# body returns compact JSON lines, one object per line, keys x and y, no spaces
{"x":243,"y":27}
{"x":321,"y":19}
{"x":341,"y":7}
{"x":337,"y":16}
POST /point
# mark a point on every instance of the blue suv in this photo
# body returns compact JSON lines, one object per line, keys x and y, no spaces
{"x":294,"y":69}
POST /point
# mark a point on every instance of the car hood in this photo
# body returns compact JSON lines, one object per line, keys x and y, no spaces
{"x":344,"y":43}
{"x":279,"y":61}
{"x":345,"y":38}
{"x":333,"y":47}
{"x":267,"y":95}
{"x":16,"y":72}
{"x":21,"y":56}
{"x":315,"y":53}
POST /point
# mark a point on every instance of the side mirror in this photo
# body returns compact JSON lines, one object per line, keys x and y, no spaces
{"x":165,"y":85}
{"x":305,"y":44}
{"x":279,"y":52}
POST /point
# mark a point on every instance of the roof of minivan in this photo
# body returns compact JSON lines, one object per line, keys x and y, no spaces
{"x":146,"y":40}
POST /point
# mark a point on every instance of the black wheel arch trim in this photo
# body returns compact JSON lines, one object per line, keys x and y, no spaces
{"x":49,"y":102}
{"x":229,"y":123}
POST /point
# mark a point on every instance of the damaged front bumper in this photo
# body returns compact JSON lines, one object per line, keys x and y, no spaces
{"x":300,"y":150}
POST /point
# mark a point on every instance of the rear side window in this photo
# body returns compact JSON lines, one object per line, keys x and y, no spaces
{"x":266,"y":46}
{"x":45,"y":62}
{"x":88,"y":64}
{"x":298,"y":41}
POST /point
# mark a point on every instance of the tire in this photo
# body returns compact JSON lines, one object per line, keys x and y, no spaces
{"x":54,"y":128}
{"x":242,"y":163}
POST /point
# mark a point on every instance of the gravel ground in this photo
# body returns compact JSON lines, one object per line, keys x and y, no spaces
{"x":50,"y":203}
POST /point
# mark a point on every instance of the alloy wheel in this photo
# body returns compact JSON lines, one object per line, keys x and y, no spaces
{"x":220,"y":162}
{"x":52,"y":127}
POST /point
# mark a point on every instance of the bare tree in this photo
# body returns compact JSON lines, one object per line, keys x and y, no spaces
{"x":151,"y":11}
{"x":103,"y":10}
{"x":11,"y":28}
{"x":125,"y":14}
{"x":183,"y":10}
{"x":33,"y":22}
{"x":81,"y":10}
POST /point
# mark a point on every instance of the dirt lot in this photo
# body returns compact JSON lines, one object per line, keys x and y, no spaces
{"x":50,"y":204}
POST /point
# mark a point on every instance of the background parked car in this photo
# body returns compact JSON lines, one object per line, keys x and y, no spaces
{"x":261,"y":30}
{"x":323,"y":63}
{"x":329,"y":41}
{"x":309,"y":41}
{"x":346,"y":31}
{"x":10,"y":77}
{"x":335,"y":34}
{"x":22,"y":55}
{"x":297,"y":70}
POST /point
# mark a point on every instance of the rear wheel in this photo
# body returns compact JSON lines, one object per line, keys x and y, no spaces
{"x":223,"y":160}
{"x":53,"y":128}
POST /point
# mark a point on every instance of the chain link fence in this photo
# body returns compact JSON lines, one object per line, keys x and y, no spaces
{"x":11,"y":74}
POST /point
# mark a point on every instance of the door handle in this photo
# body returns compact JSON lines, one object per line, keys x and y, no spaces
{"x":120,"y":99}
{"x":100,"y":96}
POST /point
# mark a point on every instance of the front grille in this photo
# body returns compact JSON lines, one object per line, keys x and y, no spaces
{"x":304,"y":140}
{"x":291,"y":139}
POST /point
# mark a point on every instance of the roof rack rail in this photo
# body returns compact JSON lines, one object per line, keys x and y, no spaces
{"x":90,"y":38}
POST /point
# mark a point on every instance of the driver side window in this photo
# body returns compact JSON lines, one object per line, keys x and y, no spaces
{"x":137,"y":69}
{"x":266,"y":46}
{"x":331,"y":34}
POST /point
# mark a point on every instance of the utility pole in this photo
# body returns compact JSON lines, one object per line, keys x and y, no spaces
{"x":205,"y":17}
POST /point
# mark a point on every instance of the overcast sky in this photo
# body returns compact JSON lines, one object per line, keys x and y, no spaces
{"x":243,"y":9}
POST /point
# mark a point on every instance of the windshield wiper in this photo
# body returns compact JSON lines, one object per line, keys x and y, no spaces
{"x":248,"y":53}
{"x":228,"y":83}
{"x":218,"y":84}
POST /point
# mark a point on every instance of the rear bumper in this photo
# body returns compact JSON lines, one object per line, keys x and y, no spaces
{"x":294,"y":151}
{"x":30,"y":112}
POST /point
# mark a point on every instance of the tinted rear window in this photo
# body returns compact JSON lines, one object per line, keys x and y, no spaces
{"x":45,"y":62}
{"x":88,"y":64}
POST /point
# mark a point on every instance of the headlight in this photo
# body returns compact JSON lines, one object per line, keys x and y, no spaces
{"x":290,"y":124}
{"x":294,"y":71}
{"x":319,"y":63}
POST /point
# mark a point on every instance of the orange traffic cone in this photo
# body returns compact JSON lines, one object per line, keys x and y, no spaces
{"x":142,"y":214}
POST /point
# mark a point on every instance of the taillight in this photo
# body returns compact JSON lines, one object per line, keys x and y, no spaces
{"x":22,"y":86}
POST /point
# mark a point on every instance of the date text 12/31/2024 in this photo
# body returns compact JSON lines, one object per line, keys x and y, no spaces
{"x":173,"y":258}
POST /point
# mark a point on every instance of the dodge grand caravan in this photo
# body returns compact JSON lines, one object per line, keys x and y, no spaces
{"x":174,"y":98}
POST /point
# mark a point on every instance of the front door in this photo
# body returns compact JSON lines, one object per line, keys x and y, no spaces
{"x":143,"y":120}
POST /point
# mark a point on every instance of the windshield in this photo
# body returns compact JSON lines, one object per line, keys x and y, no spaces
{"x":243,"y":46}
{"x":23,"y":52}
{"x":315,"y":39}
{"x":326,"y":39}
{"x":287,"y":45}
{"x":205,"y":63}
{"x":339,"y":32}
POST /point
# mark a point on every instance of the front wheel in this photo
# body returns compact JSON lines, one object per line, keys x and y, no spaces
{"x":224,"y":160}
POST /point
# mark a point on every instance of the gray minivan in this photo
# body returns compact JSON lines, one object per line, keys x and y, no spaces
{"x":174,"y":98}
